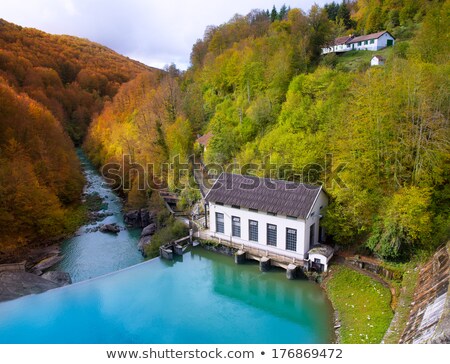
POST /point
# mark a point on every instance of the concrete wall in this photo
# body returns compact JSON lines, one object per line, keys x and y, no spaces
{"x":429,"y":320}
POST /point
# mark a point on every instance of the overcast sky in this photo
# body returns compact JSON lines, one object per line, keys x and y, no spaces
{"x":155,"y":32}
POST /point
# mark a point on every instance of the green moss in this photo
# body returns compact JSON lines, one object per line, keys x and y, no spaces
{"x":362,"y":303}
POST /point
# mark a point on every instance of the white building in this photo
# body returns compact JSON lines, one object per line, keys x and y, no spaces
{"x":377,"y":61}
{"x":338,"y":45}
{"x":370,"y":42}
{"x":277,"y":216}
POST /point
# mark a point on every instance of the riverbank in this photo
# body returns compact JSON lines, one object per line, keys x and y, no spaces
{"x":363,"y":305}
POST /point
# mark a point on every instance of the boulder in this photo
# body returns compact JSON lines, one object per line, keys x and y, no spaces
{"x":47,"y":263}
{"x":110,"y":228}
{"x":148,"y":230}
{"x":143,"y":243}
{"x":147,"y":217}
{"x":60,"y":278}
{"x":133,"y":218}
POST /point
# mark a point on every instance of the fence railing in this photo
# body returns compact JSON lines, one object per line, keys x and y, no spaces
{"x":283,"y":260}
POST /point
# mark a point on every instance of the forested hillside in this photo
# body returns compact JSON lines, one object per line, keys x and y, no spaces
{"x":70,"y":76}
{"x":144,"y":125}
{"x":376,"y":138}
{"x":50,"y":88}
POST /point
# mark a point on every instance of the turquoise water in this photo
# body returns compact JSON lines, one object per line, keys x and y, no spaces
{"x":92,"y":254}
{"x":205,"y":298}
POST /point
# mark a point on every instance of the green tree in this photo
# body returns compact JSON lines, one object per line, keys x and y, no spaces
{"x":405,"y":225}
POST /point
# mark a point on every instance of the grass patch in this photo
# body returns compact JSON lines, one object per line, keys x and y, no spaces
{"x":356,"y":61}
{"x":362,"y":303}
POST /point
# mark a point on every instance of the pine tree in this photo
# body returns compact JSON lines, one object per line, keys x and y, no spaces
{"x":273,"y":14}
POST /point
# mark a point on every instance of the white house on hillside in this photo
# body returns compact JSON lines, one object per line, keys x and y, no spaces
{"x":377,"y":61}
{"x":277,"y":216}
{"x":370,"y":42}
{"x":338,"y":45}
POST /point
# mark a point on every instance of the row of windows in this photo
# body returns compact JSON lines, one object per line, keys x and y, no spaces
{"x":372,"y":41}
{"x":291,"y":234}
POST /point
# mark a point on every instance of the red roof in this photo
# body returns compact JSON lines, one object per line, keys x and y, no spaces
{"x":342,"y":40}
{"x":204,"y":139}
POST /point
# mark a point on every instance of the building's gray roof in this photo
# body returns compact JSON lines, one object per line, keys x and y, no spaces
{"x":322,"y":249}
{"x":264,"y":194}
{"x":368,"y":37}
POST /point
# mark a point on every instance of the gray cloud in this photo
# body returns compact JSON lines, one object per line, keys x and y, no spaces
{"x":153,"y":32}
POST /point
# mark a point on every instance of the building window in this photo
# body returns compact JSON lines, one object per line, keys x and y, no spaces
{"x":253,"y":230}
{"x":236,"y":226}
{"x":271,"y":234}
{"x":220,"y":225}
{"x":359,"y":44}
{"x":253,"y":210}
{"x":372,"y":41}
{"x":366,"y":42}
{"x":291,"y":239}
{"x":235,"y":206}
{"x":291,"y":217}
{"x":271,"y":213}
{"x":219,"y":203}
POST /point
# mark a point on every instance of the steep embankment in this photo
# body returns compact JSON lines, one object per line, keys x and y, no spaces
{"x":429,"y":320}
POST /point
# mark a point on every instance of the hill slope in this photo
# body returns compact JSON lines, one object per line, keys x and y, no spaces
{"x":50,"y":88}
{"x":71,"y":76}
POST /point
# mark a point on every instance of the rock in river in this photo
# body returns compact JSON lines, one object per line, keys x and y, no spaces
{"x":143,"y":243}
{"x":47,"y":263}
{"x":60,"y":278}
{"x":139,"y":218}
{"x":148,"y":230}
{"x":133,"y":218}
{"x":110,"y":228}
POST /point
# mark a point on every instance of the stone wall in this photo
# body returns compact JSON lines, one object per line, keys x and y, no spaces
{"x":429,"y":319}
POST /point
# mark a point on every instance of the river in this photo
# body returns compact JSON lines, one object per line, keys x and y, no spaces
{"x":92,"y":253}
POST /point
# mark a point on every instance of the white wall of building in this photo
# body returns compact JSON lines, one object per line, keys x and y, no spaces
{"x":374,"y":44}
{"x":375,"y":61}
{"x":282,"y":223}
{"x":314,"y":218}
{"x":323,"y":260}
